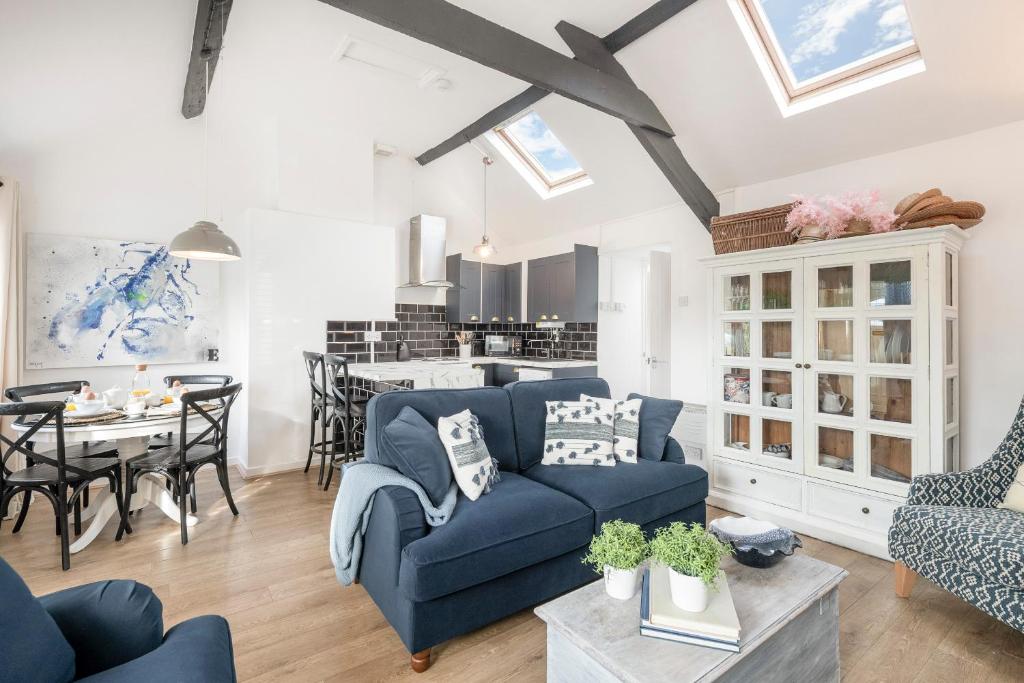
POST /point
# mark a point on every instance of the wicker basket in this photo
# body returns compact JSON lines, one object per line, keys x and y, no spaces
{"x":751,"y":230}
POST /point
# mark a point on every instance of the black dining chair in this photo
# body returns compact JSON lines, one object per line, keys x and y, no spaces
{"x":52,"y":474}
{"x":179,"y":464}
{"x":349,"y":413}
{"x":321,"y":412}
{"x":84,"y":449}
{"x":165,"y":440}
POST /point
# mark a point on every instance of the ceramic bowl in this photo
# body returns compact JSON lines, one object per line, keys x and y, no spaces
{"x":756,"y":543}
{"x":85,"y":408}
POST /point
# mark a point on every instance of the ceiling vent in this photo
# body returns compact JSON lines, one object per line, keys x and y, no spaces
{"x":358,"y":51}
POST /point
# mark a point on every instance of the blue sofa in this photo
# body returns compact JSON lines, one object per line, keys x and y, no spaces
{"x":523,"y":542}
{"x":105,"y":632}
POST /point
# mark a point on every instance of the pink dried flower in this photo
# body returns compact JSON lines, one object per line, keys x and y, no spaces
{"x":854,"y":206}
{"x":806,"y":212}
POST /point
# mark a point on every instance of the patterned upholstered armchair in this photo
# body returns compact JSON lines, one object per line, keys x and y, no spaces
{"x":951,"y":532}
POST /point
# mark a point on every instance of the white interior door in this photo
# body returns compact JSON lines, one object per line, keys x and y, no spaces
{"x":659,"y":325}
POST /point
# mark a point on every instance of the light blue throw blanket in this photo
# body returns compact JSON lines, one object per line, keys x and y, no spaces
{"x":352,"y":507}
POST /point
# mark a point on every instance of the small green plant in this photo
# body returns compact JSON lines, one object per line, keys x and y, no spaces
{"x":620,"y":545}
{"x":689,"y":550}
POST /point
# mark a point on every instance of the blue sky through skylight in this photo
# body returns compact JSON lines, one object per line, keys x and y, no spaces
{"x":818,"y":36}
{"x":536,"y":139}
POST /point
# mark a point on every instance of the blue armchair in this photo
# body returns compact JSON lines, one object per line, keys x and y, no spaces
{"x":105,"y":632}
{"x":951,"y":532}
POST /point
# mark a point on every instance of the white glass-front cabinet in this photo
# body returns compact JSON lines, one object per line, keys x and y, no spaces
{"x":835,"y":379}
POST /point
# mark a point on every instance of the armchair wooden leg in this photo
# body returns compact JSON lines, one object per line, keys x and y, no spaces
{"x":421,"y":661}
{"x":905,"y":578}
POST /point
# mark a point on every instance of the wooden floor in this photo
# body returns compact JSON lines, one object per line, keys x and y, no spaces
{"x":269,"y":573}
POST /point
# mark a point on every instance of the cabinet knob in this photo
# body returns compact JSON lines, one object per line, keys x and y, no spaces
{"x":510,"y":318}
{"x":753,"y":481}
{"x":543,"y":316}
{"x":799,"y":365}
{"x":554,"y":316}
{"x":807,"y":366}
{"x":474,"y":317}
{"x":865,"y":510}
{"x":494,"y":319}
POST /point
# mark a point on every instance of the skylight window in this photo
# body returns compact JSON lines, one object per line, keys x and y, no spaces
{"x":536,"y":153}
{"x":817,"y":51}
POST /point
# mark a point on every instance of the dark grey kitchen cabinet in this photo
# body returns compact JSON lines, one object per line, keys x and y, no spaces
{"x":462,"y":302}
{"x":563,"y":287}
{"x":505,"y":374}
{"x":513,"y":293}
{"x":494,"y":293}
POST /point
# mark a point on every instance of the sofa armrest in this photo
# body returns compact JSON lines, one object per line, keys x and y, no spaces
{"x":977,"y":488}
{"x":674,"y":452}
{"x":396,"y":521}
{"x":195,"y":650}
{"x":107,"y":623}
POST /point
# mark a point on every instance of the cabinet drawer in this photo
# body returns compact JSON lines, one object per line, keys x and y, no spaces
{"x":850,"y":507}
{"x":769,"y":487}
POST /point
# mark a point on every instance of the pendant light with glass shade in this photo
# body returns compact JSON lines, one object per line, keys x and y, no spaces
{"x":204,"y":241}
{"x":485,"y":249}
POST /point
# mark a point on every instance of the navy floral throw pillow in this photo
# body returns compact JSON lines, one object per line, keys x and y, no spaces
{"x":475,"y":470}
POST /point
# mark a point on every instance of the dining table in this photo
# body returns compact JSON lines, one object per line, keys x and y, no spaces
{"x":131,"y":434}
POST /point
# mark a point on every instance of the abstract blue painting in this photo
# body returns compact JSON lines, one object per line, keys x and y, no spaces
{"x":92,"y":302}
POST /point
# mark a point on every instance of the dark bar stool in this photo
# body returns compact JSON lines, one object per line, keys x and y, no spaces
{"x":321,"y":411}
{"x":349,"y":413}
{"x":85,"y":449}
{"x":52,"y":474}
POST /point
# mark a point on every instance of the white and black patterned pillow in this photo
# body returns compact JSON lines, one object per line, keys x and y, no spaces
{"x":626,"y":428}
{"x":463,"y":438}
{"x":577,"y":433}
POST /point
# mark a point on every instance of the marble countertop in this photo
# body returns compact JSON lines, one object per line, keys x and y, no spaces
{"x":448,"y":373}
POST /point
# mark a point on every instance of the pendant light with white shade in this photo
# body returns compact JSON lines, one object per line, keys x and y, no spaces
{"x":485,"y":249}
{"x":205,"y":241}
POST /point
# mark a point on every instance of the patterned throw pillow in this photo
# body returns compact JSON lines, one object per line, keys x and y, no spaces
{"x":626,"y":429}
{"x":474,"y":468}
{"x":1014,"y":499}
{"x":577,"y":433}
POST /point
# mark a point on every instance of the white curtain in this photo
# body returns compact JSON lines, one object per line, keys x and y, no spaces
{"x":10,"y":284}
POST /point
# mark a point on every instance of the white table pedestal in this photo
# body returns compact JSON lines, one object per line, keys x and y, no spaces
{"x":150,"y":491}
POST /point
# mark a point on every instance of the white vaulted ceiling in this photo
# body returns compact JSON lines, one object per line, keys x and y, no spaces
{"x":76,"y":63}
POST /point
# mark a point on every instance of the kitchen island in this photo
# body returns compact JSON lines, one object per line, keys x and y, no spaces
{"x":457,"y":373}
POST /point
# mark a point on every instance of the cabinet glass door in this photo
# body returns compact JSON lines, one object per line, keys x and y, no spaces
{"x":865,"y":420}
{"x":759,"y":335}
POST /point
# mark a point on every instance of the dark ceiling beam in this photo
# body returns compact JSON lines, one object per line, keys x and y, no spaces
{"x":666,"y":154}
{"x":469,"y":35}
{"x":637,"y":27}
{"x":645,"y":22}
{"x":488,"y":121}
{"x":211,"y":23}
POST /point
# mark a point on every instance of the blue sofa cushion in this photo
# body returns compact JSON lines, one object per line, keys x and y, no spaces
{"x":32,"y":647}
{"x":657,"y":417}
{"x":490,"y":404}
{"x":529,"y":410}
{"x":518,"y":524}
{"x":639,"y":493}
{"x":988,"y":542}
{"x":413,"y":445}
{"x":107,"y":622}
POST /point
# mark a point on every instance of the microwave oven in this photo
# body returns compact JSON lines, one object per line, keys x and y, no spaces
{"x":503,"y":345}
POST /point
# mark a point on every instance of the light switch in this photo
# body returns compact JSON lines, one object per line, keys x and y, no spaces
{"x":684,"y":301}
{"x":371,"y":336}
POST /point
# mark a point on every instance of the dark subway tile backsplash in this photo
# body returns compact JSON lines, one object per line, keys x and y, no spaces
{"x":429,"y":335}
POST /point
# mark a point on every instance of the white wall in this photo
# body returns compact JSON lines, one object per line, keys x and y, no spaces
{"x":987,"y":166}
{"x":298,"y":278}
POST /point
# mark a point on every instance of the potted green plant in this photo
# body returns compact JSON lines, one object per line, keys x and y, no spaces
{"x":618,"y":552}
{"x":692,"y":556}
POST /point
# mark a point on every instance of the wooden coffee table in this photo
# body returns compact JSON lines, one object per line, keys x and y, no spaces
{"x":789,"y":621}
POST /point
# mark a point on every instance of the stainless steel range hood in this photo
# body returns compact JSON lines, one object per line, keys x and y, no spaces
{"x":426,"y":252}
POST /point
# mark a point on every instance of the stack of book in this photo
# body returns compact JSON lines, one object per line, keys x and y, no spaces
{"x":717,"y":626}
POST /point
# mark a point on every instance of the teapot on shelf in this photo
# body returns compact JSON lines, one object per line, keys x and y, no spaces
{"x":831,"y":402}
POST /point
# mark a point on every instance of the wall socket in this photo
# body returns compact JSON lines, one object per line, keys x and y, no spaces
{"x":684,"y":301}
{"x":372,"y":336}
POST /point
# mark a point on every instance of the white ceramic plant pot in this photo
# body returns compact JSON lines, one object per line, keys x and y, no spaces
{"x":621,"y":584}
{"x":688,"y":592}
